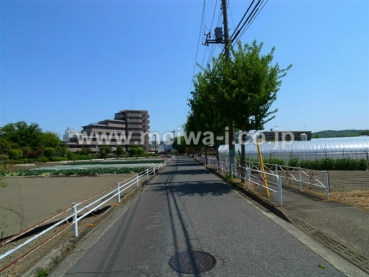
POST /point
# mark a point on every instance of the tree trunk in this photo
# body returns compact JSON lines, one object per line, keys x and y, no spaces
{"x":243,"y":156}
{"x":206,"y":154}
{"x":216,"y":148}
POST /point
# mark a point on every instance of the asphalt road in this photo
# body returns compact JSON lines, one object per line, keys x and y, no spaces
{"x":186,"y":208}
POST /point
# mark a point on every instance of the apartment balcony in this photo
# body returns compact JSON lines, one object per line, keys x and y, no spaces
{"x":133,"y":120}
{"x":138,"y":115}
{"x":136,"y":137}
{"x":117,"y":125}
{"x":134,"y":126}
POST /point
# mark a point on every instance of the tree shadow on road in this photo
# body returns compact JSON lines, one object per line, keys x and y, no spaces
{"x":214,"y":188}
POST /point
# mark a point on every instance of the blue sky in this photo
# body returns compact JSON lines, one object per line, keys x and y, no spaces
{"x":71,"y":63}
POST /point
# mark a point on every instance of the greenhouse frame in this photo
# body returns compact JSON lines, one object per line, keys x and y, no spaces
{"x":315,"y":149}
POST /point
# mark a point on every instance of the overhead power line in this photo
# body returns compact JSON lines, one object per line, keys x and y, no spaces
{"x":197,"y":50}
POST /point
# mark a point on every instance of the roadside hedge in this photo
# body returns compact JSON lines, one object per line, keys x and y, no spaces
{"x":323,"y":164}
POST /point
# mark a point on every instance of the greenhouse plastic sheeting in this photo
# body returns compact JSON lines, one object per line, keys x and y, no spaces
{"x":336,"y":148}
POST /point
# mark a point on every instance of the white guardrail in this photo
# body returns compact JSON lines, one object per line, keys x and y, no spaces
{"x":275,"y":174}
{"x":248,"y":174}
{"x":316,"y":178}
{"x":78,"y":208}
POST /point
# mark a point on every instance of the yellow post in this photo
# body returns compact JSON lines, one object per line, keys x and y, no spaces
{"x":262,"y":169}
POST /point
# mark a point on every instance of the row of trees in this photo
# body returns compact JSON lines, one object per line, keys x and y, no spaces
{"x":27,"y":141}
{"x":20,"y":140}
{"x":238,"y":90}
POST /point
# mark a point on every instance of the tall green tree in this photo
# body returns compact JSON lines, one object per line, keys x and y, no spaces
{"x":5,"y":146}
{"x":242,"y":87}
{"x":204,"y":118}
{"x":21,"y":135}
{"x":50,"y":139}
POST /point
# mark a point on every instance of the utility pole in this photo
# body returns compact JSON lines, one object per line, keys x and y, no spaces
{"x":232,"y":148}
{"x":226,"y":42}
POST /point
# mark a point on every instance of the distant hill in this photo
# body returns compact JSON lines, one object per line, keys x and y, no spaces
{"x":341,"y":133}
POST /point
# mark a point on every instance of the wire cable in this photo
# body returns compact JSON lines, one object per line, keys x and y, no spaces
{"x":235,"y":30}
{"x":254,"y":18}
{"x":251,"y":15}
{"x":197,"y":51}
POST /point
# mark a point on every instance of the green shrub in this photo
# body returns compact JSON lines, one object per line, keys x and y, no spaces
{"x":15,"y":154}
{"x":78,"y":158}
{"x":43,"y":273}
{"x":228,"y":178}
{"x":274,"y":161}
{"x":328,"y":164}
{"x":58,"y":159}
{"x":119,"y":150}
{"x":43,"y":159}
{"x":49,"y":152}
{"x":133,"y":151}
{"x":70,"y":155}
{"x":293,"y":162}
{"x":362,"y":164}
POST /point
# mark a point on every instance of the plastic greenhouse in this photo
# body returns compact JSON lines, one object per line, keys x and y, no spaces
{"x":315,"y":149}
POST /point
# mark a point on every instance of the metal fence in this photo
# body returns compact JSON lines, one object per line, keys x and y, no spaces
{"x":304,"y":177}
{"x":276,"y":175}
{"x":251,"y":175}
{"x":81,"y":210}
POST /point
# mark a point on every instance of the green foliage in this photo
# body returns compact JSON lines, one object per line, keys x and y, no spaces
{"x":70,"y":156}
{"x":43,"y":159}
{"x":233,"y":90}
{"x":69,"y":172}
{"x":80,"y":157}
{"x":103,"y":154}
{"x":21,"y":134}
{"x":43,"y":273}
{"x":85,"y":151}
{"x":50,"y":139}
{"x":133,"y":151}
{"x":15,"y":154}
{"x":181,"y":146}
{"x":58,"y":159}
{"x":324,"y":164}
{"x":339,"y":133}
{"x":3,"y":157}
{"x":335,"y":164}
{"x":5,"y":146}
{"x":62,"y":150}
{"x":228,"y":178}
{"x":105,"y":148}
{"x":363,"y":164}
{"x":294,"y":162}
{"x":119,"y":150}
{"x":274,"y":161}
{"x":49,"y":152}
